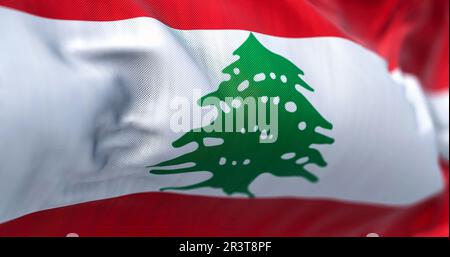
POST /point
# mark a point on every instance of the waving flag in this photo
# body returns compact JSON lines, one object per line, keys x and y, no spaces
{"x":228,"y":118}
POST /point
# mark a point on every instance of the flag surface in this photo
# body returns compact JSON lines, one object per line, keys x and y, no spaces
{"x":107,"y":129}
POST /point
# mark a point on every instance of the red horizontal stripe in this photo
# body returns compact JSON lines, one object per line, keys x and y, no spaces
{"x":165,"y":214}
{"x":280,"y":18}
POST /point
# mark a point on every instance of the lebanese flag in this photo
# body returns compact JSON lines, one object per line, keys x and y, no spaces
{"x":107,"y":128}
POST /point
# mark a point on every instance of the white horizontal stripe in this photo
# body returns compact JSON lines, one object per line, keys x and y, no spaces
{"x":84,"y":108}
